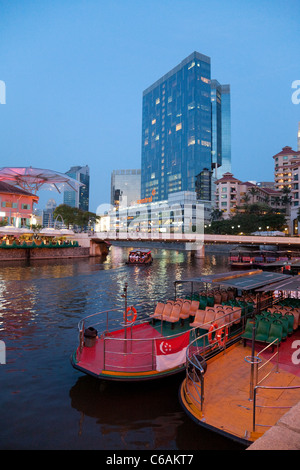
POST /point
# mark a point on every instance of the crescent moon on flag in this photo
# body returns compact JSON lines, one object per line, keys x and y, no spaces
{"x":163,"y":347}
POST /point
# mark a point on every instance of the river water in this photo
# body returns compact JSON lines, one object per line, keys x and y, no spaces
{"x":45,"y":403}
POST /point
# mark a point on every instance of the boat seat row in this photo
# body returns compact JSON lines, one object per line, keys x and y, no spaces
{"x":269,"y":327}
{"x":246,"y":306}
{"x":210,"y":298}
{"x":173,"y":311}
{"x":221,"y":315}
{"x":279,"y":310}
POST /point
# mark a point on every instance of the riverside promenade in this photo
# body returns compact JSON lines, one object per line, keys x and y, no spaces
{"x":285,"y":435}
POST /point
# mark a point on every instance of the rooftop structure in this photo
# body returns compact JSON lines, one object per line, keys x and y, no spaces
{"x":34,"y":179}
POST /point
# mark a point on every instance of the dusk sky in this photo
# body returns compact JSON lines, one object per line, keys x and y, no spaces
{"x":75,"y":72}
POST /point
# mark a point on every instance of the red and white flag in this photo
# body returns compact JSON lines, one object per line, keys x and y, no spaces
{"x":171,"y":352}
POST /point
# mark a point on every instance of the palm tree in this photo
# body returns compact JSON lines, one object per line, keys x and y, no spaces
{"x":277,"y":201}
{"x":253,"y":191}
{"x":216,"y":214}
{"x":286,"y":199}
{"x":246,"y":198}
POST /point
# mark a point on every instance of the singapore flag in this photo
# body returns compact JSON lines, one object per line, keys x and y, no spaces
{"x":170,"y":352}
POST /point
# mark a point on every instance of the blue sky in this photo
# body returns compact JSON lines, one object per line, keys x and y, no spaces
{"x":75,"y":72}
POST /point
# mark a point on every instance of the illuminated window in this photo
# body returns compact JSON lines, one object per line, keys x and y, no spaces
{"x":178,"y":127}
{"x":153,"y":121}
{"x":205,"y":80}
{"x":157,"y":101}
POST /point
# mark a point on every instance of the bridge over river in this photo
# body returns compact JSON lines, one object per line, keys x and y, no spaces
{"x":188,"y":241}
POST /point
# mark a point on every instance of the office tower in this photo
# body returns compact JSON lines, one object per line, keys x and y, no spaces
{"x":221,"y":132}
{"x":125,"y":187}
{"x":79,"y":198}
{"x":48,"y":213}
{"x":216,"y":125}
{"x":226,"y":131}
{"x":298,"y":137}
{"x":203,"y":185}
{"x":176,"y":129}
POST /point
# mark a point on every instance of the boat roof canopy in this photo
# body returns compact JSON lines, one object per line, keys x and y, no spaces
{"x":244,"y":280}
{"x":286,"y":285}
{"x":143,"y":250}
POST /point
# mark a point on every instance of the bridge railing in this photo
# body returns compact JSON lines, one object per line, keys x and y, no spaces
{"x":198,"y":237}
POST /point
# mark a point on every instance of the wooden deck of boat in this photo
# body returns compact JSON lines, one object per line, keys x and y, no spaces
{"x":227,"y":405}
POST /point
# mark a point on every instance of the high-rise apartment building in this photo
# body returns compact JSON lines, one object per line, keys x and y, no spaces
{"x":79,"y":198}
{"x":284,"y":163}
{"x":182,"y":128}
{"x":231,"y":195}
{"x":125,"y":187}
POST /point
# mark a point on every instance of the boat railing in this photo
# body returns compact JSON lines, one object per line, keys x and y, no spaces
{"x":133,"y":348}
{"x":255,"y":405}
{"x":256,"y":382}
{"x":202,"y":348}
{"x":108,"y":320}
{"x":258,"y":365}
{"x":127,"y":346}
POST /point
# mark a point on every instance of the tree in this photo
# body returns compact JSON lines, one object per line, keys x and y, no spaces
{"x":216,"y":214}
{"x":74,"y":216}
{"x":286,"y":199}
{"x":66,"y":212}
{"x":259,"y":217}
{"x":253,"y":191}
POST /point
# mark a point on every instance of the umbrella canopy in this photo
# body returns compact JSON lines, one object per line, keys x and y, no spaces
{"x":33,"y":179}
{"x":50,"y":232}
{"x":66,"y":231}
{"x":12,"y":230}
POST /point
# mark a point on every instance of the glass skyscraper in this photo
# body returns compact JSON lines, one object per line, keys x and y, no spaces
{"x":176,"y":129}
{"x":226,"y":131}
{"x":79,"y":199}
{"x":216,"y":124}
{"x":125,"y":184}
{"x":182,"y":128}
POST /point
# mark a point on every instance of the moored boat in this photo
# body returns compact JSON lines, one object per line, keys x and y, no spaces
{"x":247,"y":257}
{"x":246,"y":388}
{"x":145,"y":342}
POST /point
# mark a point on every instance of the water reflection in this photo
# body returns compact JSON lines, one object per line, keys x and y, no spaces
{"x":45,"y":403}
